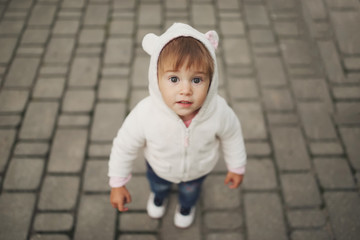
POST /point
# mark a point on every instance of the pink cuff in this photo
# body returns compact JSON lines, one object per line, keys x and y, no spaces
{"x":240,"y":170}
{"x":116,"y":182}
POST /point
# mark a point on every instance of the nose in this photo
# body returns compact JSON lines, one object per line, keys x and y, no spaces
{"x":186,"y":88}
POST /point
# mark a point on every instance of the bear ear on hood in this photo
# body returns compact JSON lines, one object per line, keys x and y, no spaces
{"x":213,"y":38}
{"x":149,"y":42}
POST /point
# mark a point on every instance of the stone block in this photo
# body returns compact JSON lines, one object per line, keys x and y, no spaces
{"x":287,"y":29}
{"x":223,"y":220}
{"x":236,"y":51}
{"x":118,"y":51}
{"x":78,"y":100}
{"x":280,"y":119}
{"x":71,"y":160}
{"x":257,"y":149}
{"x":11,"y":27}
{"x":49,"y":88}
{"x":150,"y":14}
{"x":260,"y":175}
{"x":300,"y":190}
{"x":296,"y":51}
{"x":24,"y":174}
{"x":91,"y":36}
{"x":261,"y":36}
{"x":39,"y":120}
{"x":59,"y":50}
{"x":232,"y":28}
{"x":139,"y":222}
{"x":270,"y":71}
{"x":95,"y":178}
{"x":311,"y":235}
{"x":351,"y":136}
{"x":59,"y":193}
{"x":278,"y":99}
{"x":46,"y":222}
{"x":99,"y":150}
{"x":214,"y":191}
{"x":252,"y":119}
{"x":225,"y":236}
{"x":13,"y":100}
{"x":7,"y":137}
{"x":203,"y":14}
{"x":228,"y":4}
{"x":334,"y":173}
{"x":84,"y":72}
{"x":346,"y":92}
{"x":331,"y":60}
{"x":137,"y":237}
{"x":95,"y":219}
{"x":243,"y":88}
{"x":140,"y":72}
{"x":113,"y":89}
{"x":326,"y":148}
{"x":107,"y":121}
{"x":22,"y":72}
{"x":16,"y":210}
{"x":139,"y":189}
{"x":10,"y":121}
{"x":256,"y":15}
{"x":7,"y":46}
{"x":31,"y":149}
{"x":122,"y":27}
{"x":96,"y":14}
{"x":42,"y":15}
{"x":312,"y":218}
{"x":344,"y":210}
{"x":49,"y":237}
{"x":264,"y":211}
{"x":74,"y":120}
{"x":290,"y":149}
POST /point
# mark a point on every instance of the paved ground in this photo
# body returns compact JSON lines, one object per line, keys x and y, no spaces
{"x":70,"y":71}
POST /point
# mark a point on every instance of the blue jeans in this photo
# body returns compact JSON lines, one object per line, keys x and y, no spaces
{"x":189,"y":192}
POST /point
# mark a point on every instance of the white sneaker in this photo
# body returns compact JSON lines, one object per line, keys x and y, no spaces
{"x":155,"y":211}
{"x":182,"y":221}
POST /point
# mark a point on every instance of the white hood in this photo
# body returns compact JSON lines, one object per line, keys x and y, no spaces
{"x":153,"y":45}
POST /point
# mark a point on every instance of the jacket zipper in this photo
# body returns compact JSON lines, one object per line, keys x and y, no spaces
{"x":186,"y":145}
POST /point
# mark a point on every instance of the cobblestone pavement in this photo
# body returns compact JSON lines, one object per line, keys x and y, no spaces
{"x":70,"y":71}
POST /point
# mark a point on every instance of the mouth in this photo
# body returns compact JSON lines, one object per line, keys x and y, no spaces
{"x":184,"y":103}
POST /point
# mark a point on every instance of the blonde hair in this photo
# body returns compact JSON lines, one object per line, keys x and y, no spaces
{"x":186,"y":49}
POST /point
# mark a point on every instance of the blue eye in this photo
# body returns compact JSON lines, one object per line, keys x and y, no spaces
{"x":174,"y":79}
{"x":196,"y":80}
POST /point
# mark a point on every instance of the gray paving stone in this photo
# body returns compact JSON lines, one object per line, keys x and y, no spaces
{"x":232,"y":28}
{"x":31,"y":149}
{"x":260,"y":175}
{"x":96,"y":14}
{"x":312,"y":218}
{"x":334,"y":173}
{"x":278,"y":99}
{"x":347,"y":113}
{"x":59,"y":193}
{"x":300,"y":190}
{"x":311,"y":235}
{"x":66,"y":27}
{"x":22,"y":72}
{"x":95,"y":219}
{"x":344,"y":209}
{"x":118,"y":51}
{"x":137,"y":237}
{"x":47,"y":222}
{"x":279,"y":119}
{"x":140,"y":71}
{"x":331,"y":61}
{"x":168,"y":229}
{"x":317,"y":122}
{"x":139,"y":190}
{"x":257,"y":149}
{"x":228,"y":5}
{"x":42,"y":15}
{"x":225,"y":236}
{"x":71,"y":160}
{"x":326,"y":148}
{"x":242,"y":88}
{"x":256,"y":15}
{"x":24,"y":174}
{"x":49,"y":237}
{"x":295,"y":51}
{"x":73,"y":4}
{"x":122,"y":27}
{"x":261,"y":36}
{"x":139,"y":222}
{"x":13,"y":100}
{"x":290,"y":149}
{"x":214,"y":190}
{"x":264,"y":211}
{"x":346,"y":92}
{"x":10,"y":121}
{"x":317,"y":9}
{"x":19,"y":4}
{"x":270,"y":71}
{"x":107,"y":121}
{"x":203,"y":14}
{"x":7,"y":45}
{"x":252,"y":119}
{"x":351,"y":136}
{"x":310,"y":89}
{"x":346,"y":30}
{"x":287,"y":29}
{"x":59,"y":50}
{"x":7,"y":138}
{"x":15,"y":214}
{"x":99,"y":150}
{"x":92,"y":36}
{"x":78,"y":100}
{"x":95,"y":178}
{"x":114,"y":72}
{"x":149,"y":14}
{"x":113,"y":89}
{"x":352,"y":63}
{"x":11,"y":27}
{"x":74,"y":120}
{"x":223,"y":220}
{"x":49,"y":88}
{"x":53,"y":71}
{"x":39,"y":120}
{"x":236,"y":51}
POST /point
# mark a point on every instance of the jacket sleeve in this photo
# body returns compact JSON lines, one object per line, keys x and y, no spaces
{"x":231,"y":138}
{"x":126,"y":145}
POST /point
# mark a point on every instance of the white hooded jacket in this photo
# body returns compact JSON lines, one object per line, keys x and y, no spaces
{"x":177,"y":153}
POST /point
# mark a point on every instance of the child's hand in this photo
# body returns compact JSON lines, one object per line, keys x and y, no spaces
{"x":234,"y":179}
{"x":119,"y":197}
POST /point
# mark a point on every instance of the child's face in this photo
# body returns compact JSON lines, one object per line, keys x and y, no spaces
{"x":183,"y":90}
